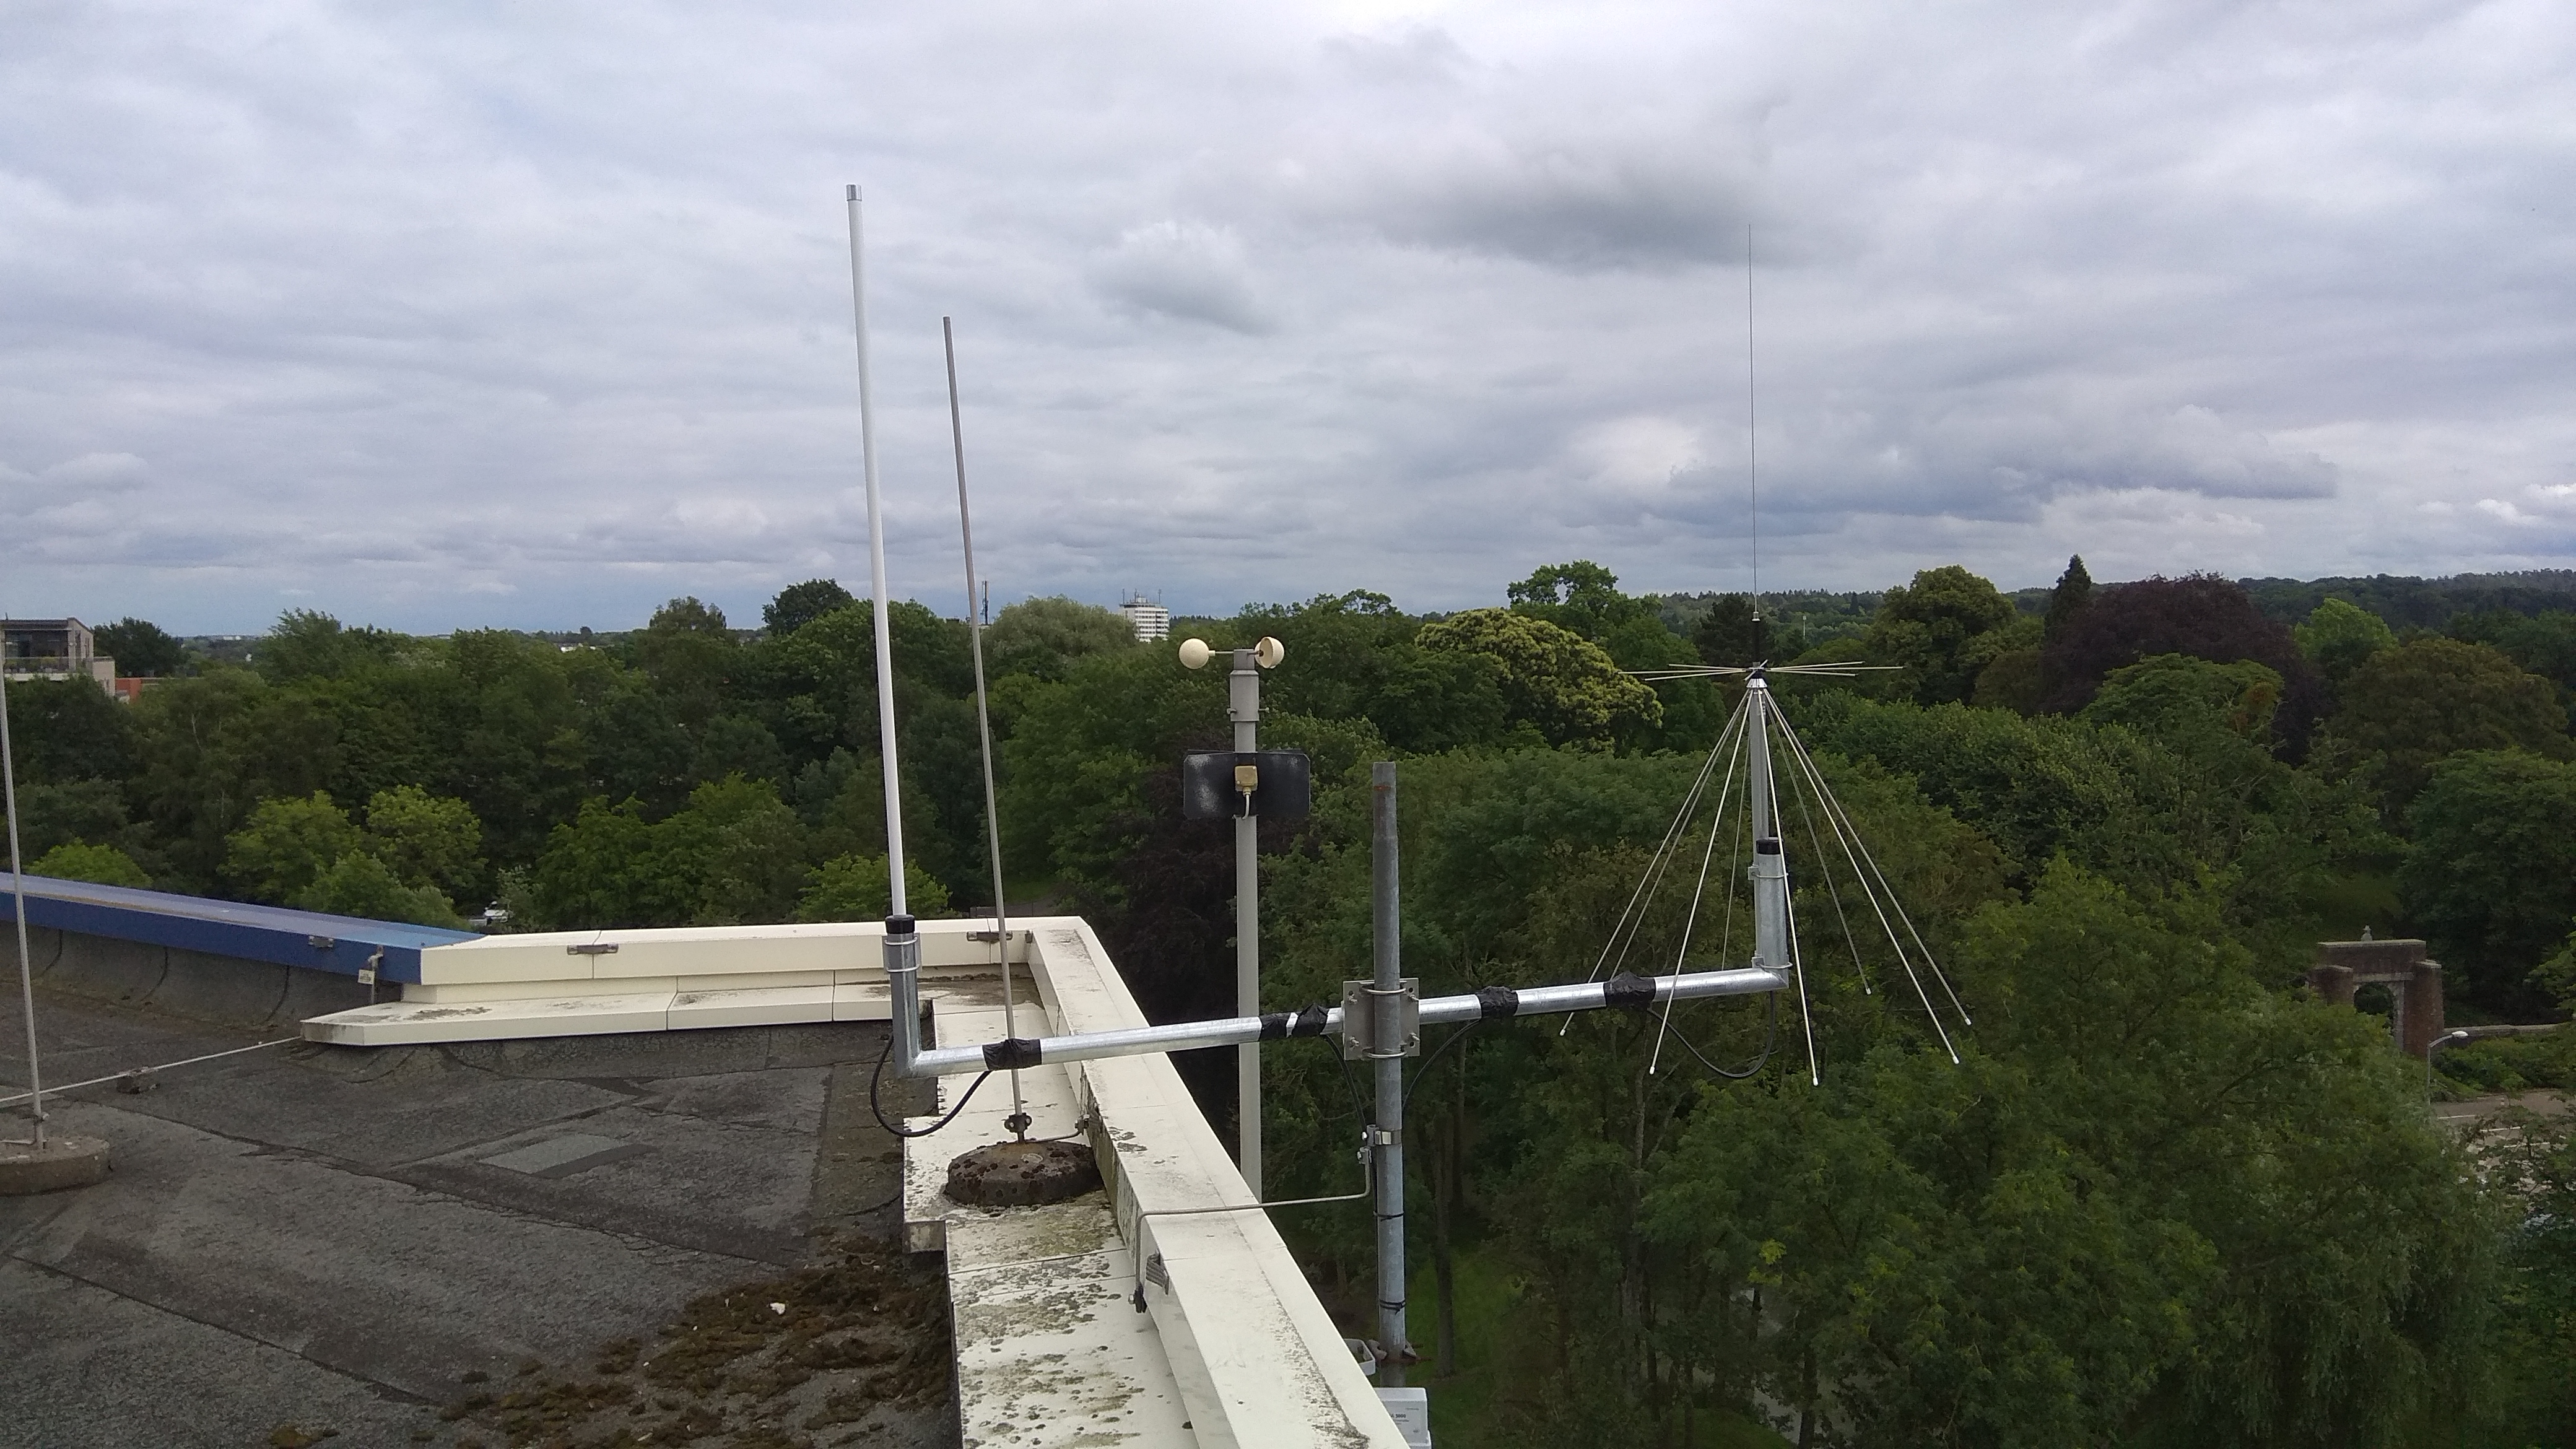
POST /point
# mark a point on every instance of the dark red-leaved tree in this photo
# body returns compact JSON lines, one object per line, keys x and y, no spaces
{"x":2201,"y":615}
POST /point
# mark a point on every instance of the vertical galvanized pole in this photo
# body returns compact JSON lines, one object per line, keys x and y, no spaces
{"x":1019,"y":1118}
{"x":1243,"y":706}
{"x":1386,"y":1038}
{"x":877,"y":575}
{"x":1770,"y":869}
{"x":18,"y":887}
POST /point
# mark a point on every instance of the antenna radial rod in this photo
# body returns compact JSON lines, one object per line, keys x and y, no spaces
{"x":877,"y":575}
{"x":983,"y":720}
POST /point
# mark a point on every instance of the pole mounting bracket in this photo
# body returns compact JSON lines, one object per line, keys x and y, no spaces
{"x":1359,"y":1020}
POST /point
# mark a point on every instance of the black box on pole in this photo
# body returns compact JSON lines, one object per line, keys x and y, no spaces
{"x":1212,"y":785}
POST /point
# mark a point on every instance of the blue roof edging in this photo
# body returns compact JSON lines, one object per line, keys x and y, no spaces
{"x":308,"y":939}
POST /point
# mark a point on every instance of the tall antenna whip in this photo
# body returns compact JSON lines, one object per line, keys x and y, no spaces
{"x":1019,"y":1119}
{"x":1752,"y":445}
{"x":877,"y":578}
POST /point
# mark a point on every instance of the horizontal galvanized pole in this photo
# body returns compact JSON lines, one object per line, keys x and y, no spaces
{"x":1635,"y":992}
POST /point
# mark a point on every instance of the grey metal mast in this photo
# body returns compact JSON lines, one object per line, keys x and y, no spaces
{"x":1019,"y":1119}
{"x":1243,"y":706}
{"x":18,"y":887}
{"x":1386,"y":1052}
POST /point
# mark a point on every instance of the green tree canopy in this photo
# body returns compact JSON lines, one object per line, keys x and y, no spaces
{"x":1925,"y":629}
{"x":2338,"y":636}
{"x":854,"y":888}
{"x":1566,"y":686}
{"x":1581,"y":596}
{"x":2074,"y":591}
{"x":287,"y":844}
{"x":2490,"y":878}
{"x":97,"y":864}
{"x":426,"y":839}
{"x":2404,"y":709}
{"x":800,"y":604}
{"x":1042,"y":637}
{"x":141,"y":648}
{"x":359,"y":884}
{"x":305,"y":644}
{"x":1729,"y":633}
{"x":68,"y":729}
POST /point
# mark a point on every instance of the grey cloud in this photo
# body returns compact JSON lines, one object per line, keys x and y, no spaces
{"x":1188,"y":270}
{"x":415,"y":308}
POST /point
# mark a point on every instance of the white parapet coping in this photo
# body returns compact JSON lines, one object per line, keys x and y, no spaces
{"x":1231,"y":1349}
{"x":575,"y":983}
{"x":1246,"y":1346}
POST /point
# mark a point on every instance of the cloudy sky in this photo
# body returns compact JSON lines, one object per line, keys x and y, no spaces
{"x":437,"y":315}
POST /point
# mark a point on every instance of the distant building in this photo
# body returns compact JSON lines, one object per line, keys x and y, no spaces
{"x":54,"y":649}
{"x":1151,"y":621}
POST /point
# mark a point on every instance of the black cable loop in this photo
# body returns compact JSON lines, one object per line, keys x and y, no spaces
{"x":875,"y":1078}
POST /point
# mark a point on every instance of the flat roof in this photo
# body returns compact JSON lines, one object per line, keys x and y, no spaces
{"x":310,"y":939}
{"x":378,"y":1242}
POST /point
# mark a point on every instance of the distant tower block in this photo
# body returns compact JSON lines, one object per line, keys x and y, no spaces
{"x":2414,"y":985}
{"x":1147,"y":617}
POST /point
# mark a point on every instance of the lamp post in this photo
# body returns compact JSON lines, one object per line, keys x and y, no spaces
{"x":2448,"y":1038}
{"x":1243,"y":707}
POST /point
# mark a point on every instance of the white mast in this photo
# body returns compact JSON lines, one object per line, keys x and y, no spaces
{"x":877,"y":578}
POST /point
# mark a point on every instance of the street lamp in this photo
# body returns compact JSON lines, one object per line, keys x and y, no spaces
{"x":2448,"y":1038}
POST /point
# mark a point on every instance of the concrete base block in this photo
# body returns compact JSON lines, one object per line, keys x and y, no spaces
{"x":62,"y":1162}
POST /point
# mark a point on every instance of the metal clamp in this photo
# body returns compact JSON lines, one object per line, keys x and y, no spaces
{"x":1359,"y":1020}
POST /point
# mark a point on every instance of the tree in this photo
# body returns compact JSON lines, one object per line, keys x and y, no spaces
{"x":800,"y":604}
{"x":358,"y":884}
{"x":1581,"y":596}
{"x":1043,"y":637}
{"x":2074,"y":592}
{"x":2182,"y":701}
{"x":2543,"y":643}
{"x":97,"y":864}
{"x":426,"y":839}
{"x":2201,"y":615}
{"x":1730,"y":633}
{"x":2337,"y":637}
{"x":305,"y":644}
{"x":2406,"y":708}
{"x":68,"y":729}
{"x":287,"y":844}
{"x":1563,"y":684}
{"x":854,"y":888}
{"x":141,"y":649}
{"x":690,"y":655}
{"x":1926,"y":630}
{"x":2490,"y":878}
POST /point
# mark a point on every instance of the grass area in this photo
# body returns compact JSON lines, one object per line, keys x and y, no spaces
{"x":1466,"y":1407}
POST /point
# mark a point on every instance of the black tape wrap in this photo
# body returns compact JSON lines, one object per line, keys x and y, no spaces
{"x":1274,"y":1025}
{"x":1629,"y":990}
{"x":1498,"y":1001}
{"x":1010,"y":1052}
{"x":1309,"y":1022}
